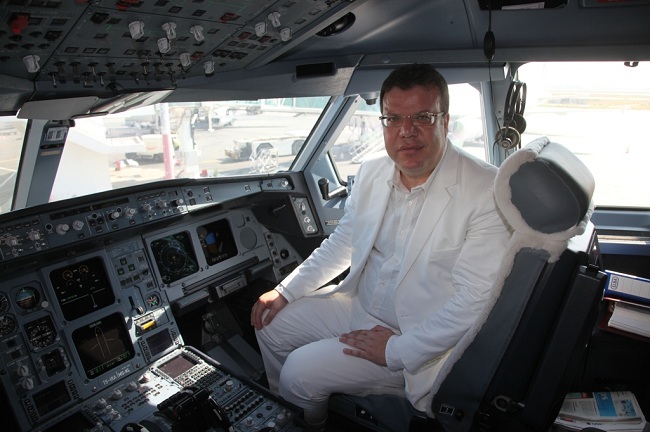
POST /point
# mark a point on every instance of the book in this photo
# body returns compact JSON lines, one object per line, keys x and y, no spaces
{"x":627,"y":287}
{"x":630,"y":318}
{"x":607,"y":410}
{"x":603,"y":322}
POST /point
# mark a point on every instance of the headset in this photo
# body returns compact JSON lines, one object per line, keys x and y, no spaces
{"x":514,"y":124}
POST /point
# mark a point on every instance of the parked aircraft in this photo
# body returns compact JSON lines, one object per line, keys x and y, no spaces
{"x":126,"y":288}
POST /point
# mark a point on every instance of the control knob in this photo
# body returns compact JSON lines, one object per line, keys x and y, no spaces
{"x":22,"y":370}
{"x":113,"y":215}
{"x":101,"y":404}
{"x":77,"y":225}
{"x":61,"y":229}
{"x":146,"y":207}
{"x":116,"y":395}
{"x":145,"y":378}
{"x":11,"y":240}
{"x":34,"y":235}
{"x":27,"y":383}
{"x":129,"y":212}
{"x":178,"y":202}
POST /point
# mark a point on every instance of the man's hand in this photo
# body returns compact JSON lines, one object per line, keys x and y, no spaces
{"x":368,"y":344}
{"x":271,"y":300}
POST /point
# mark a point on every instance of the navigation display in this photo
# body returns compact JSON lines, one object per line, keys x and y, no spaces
{"x":174,"y":257}
{"x":82,"y":288}
{"x":103,"y":345}
{"x":217,"y":241}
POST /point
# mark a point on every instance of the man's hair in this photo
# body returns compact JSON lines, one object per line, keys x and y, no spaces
{"x":417,"y":74}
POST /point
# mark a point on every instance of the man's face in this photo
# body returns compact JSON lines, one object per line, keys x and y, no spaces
{"x":416,"y":150}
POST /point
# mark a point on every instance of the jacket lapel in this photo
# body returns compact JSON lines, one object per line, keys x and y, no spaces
{"x":373,"y":201}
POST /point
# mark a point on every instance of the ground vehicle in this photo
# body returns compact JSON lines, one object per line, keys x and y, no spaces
{"x":150,"y":146}
{"x":66,"y":64}
{"x":213,"y":118}
{"x":284,"y":146}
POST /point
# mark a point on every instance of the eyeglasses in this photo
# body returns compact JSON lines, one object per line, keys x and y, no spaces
{"x":418,"y":119}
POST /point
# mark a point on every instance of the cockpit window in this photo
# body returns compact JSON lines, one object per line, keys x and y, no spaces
{"x":601,"y":112}
{"x":12,"y":133}
{"x":214,"y":139}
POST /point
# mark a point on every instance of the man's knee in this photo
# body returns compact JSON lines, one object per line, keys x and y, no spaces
{"x":304,"y":375}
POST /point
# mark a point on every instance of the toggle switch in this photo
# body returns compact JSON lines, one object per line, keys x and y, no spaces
{"x":163,"y":45}
{"x":186,"y":60}
{"x":170,"y":30}
{"x":137,"y":29}
{"x":260,"y":29}
{"x":208,"y":67}
{"x":274,"y":17}
{"x":197,"y":32}
{"x":31,"y":63}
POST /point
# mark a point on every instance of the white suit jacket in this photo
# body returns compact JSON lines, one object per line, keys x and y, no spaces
{"x":452,"y":259}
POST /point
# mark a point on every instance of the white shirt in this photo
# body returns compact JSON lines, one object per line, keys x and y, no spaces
{"x":379,"y":279}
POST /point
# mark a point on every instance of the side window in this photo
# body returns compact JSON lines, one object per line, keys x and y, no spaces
{"x":601,"y":112}
{"x":363,"y":134}
{"x":466,"y":125}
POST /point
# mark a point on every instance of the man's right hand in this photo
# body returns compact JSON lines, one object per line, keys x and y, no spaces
{"x":271,"y":300}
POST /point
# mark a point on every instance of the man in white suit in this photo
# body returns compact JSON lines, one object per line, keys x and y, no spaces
{"x":423,"y":240}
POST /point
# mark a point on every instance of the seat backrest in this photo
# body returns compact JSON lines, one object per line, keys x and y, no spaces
{"x":511,"y":371}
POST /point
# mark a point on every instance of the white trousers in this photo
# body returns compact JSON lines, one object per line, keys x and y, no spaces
{"x":304,"y":359}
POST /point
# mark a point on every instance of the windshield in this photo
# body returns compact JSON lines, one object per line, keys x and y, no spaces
{"x":185,"y":140}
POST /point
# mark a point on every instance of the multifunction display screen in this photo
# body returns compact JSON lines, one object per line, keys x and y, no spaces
{"x":217,"y":241}
{"x":103,"y":345}
{"x":51,"y":398}
{"x":174,"y":257}
{"x":177,"y":366}
{"x":82,"y":288}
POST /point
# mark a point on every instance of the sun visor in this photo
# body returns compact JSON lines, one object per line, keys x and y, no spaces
{"x":57,"y":109}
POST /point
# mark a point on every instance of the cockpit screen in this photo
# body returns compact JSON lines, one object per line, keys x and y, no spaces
{"x":174,"y":257}
{"x":103,"y":345}
{"x":159,"y":342}
{"x":82,"y":288}
{"x":177,"y":366}
{"x":217,"y":241}
{"x":51,"y":398}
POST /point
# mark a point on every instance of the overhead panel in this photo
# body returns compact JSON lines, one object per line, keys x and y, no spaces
{"x":82,"y":44}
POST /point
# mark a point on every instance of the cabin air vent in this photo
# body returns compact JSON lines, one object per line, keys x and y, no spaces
{"x":315,"y":70}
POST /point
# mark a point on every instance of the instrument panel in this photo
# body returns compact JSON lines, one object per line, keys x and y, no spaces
{"x":88,"y":291}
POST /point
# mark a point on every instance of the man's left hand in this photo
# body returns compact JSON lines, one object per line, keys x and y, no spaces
{"x":368,"y":344}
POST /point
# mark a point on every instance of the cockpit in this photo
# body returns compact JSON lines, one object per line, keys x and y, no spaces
{"x":164,"y":164}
